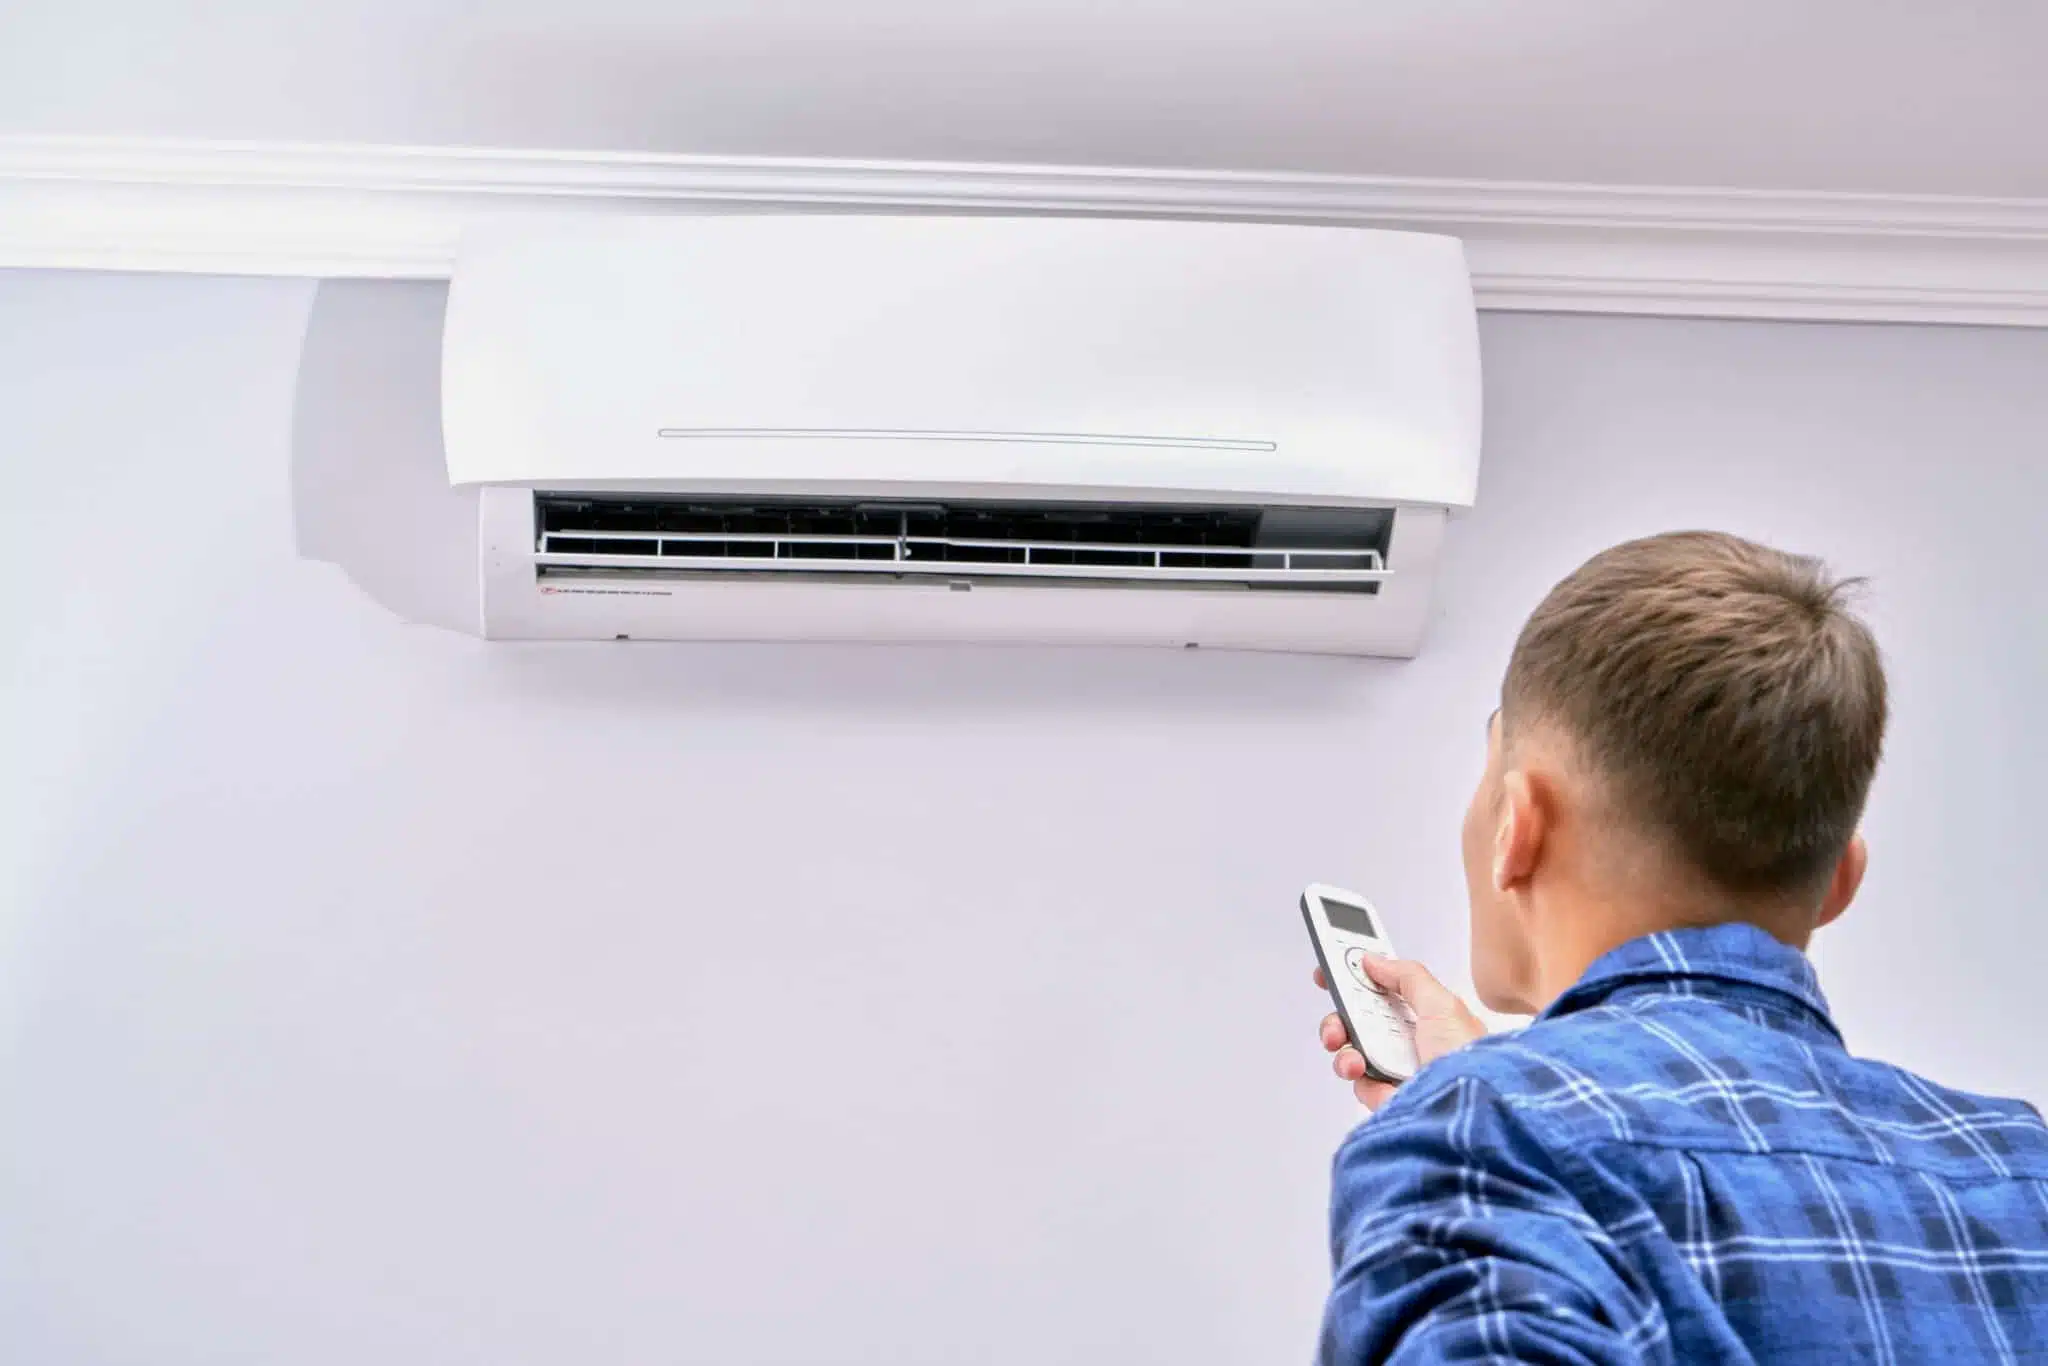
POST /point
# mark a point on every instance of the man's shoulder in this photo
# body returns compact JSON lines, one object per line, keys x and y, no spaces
{"x":1564,"y":1079}
{"x":1674,"y":1074}
{"x":1603,"y":1048}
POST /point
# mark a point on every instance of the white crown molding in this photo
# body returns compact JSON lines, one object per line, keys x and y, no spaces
{"x":396,"y":212}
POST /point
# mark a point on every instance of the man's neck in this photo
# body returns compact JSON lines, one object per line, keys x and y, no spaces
{"x":1574,"y":936}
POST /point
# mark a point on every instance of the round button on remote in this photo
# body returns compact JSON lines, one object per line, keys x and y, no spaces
{"x":1354,"y":960}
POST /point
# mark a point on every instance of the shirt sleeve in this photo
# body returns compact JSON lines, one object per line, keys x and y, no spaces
{"x":1454,"y":1238}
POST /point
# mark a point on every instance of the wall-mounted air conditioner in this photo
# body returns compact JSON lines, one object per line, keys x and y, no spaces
{"x":919,"y":428}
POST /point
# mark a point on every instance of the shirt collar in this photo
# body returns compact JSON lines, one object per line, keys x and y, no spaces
{"x":1734,"y":953}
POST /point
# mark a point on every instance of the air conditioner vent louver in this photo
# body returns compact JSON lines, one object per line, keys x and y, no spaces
{"x":1299,"y":549}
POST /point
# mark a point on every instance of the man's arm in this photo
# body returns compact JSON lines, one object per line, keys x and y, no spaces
{"x":1454,"y":1239}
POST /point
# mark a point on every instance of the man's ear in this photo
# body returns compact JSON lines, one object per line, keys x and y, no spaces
{"x":1518,"y":837}
{"x":1848,"y":877}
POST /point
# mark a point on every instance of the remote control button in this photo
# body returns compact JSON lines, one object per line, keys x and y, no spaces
{"x":1354,"y":961}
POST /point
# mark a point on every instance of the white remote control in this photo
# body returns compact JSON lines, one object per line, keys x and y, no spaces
{"x":1346,"y":930}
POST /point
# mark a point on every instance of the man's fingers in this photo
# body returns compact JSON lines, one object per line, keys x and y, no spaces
{"x":1413,"y":983}
{"x":1372,"y":1094}
{"x":1443,"y":1024}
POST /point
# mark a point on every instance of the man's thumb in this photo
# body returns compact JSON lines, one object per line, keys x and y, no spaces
{"x":1413,"y":983}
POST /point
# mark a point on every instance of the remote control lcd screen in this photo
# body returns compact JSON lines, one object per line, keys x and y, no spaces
{"x":1351,"y":919}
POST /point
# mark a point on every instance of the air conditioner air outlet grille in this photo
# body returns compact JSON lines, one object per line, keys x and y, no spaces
{"x":1167,"y":545}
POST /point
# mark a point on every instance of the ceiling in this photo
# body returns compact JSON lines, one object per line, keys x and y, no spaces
{"x":1897,"y":96}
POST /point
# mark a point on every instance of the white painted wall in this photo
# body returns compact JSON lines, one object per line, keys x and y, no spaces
{"x":368,"y":993}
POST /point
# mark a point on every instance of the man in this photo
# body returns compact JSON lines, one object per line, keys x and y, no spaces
{"x":1678,"y":1161}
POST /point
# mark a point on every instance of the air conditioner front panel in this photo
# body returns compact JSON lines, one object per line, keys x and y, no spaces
{"x":1242,"y":360}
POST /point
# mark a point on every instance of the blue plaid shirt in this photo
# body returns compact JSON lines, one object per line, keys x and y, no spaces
{"x":1679,"y":1162}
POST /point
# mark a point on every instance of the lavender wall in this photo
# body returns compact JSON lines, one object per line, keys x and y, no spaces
{"x":370,"y":993}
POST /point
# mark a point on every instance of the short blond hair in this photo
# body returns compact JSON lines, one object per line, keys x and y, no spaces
{"x":1726,"y":691}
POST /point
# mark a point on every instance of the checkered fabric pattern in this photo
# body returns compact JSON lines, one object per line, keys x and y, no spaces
{"x":1680,"y":1162}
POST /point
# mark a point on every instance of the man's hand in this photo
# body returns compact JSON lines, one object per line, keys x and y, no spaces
{"x":1443,"y":1023}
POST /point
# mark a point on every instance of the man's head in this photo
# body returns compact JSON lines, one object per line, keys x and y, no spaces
{"x":1687,"y":733}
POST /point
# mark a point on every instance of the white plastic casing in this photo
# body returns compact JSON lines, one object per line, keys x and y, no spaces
{"x":894,"y":357}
